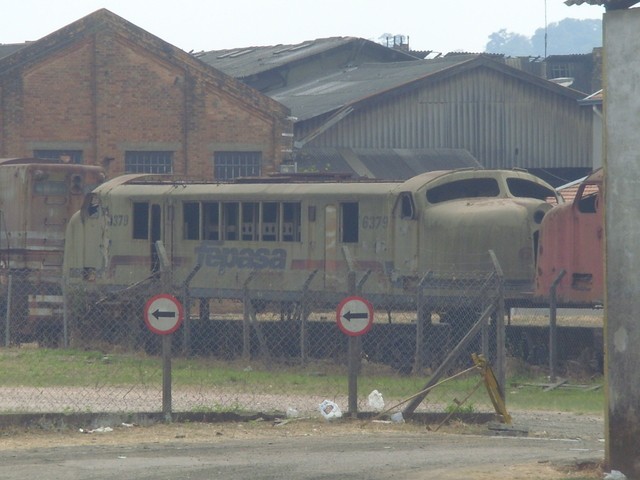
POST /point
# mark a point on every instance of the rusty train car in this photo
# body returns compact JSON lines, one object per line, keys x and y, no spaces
{"x":275,"y":236}
{"x":572,"y":241}
{"x":37,"y":199}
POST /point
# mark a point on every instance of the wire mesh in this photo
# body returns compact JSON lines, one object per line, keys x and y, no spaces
{"x":89,"y":350}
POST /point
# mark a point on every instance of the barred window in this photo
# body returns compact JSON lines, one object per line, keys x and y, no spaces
{"x":229,"y":165}
{"x":65,"y":156}
{"x":148,"y":162}
{"x":561,"y":70}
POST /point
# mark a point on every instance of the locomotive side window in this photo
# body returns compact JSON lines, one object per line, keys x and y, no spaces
{"x":270,"y":222}
{"x":245,"y":221}
{"x":349,"y":219}
{"x":191,"y":220}
{"x":525,"y":188}
{"x":291,"y":222}
{"x":250,"y":217}
{"x":65,"y":156}
{"x":467,"y":188}
{"x":141,"y":220}
{"x":211,"y":220}
{"x":230,"y":220}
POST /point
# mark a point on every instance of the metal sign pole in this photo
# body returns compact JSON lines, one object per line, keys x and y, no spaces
{"x":354,"y":316}
{"x":166,"y":377}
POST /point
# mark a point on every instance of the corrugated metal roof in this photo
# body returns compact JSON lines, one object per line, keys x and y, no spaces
{"x":9,"y":48}
{"x":608,"y":4}
{"x":338,"y":90}
{"x":595,"y":98}
{"x":387,"y":164}
{"x":243,"y":62}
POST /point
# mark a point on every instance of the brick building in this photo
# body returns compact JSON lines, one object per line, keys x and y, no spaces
{"x":103,"y":91}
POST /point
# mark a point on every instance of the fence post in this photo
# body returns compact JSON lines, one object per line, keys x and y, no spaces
{"x":553,"y":330}
{"x":355,"y":349}
{"x":65,"y":315}
{"x":501,"y":354}
{"x":7,"y":316}
{"x":421,"y":319}
{"x":165,"y":280}
{"x":304,"y":317}
{"x":246,"y":321}
{"x":186,"y":323}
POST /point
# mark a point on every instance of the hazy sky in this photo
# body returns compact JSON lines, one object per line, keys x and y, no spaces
{"x":442,"y":25}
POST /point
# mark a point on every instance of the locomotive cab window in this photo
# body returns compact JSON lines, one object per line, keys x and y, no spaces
{"x":467,"y":188}
{"x":405,"y":207}
{"x":525,"y":188}
{"x":349,"y":222}
{"x":588,"y":203}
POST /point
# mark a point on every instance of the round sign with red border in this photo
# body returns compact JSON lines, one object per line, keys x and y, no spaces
{"x":354,"y":316}
{"x":163,"y":314}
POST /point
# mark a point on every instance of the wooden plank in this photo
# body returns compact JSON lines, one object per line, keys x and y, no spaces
{"x":555,"y":385}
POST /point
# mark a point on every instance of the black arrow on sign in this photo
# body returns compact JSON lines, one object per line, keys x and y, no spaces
{"x":349,"y":316}
{"x":158,"y":314}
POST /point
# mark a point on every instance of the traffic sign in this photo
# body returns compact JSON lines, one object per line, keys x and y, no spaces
{"x":354,"y":316}
{"x":163,"y":314}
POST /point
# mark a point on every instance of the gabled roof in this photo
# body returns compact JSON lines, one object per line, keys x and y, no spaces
{"x":103,"y":19}
{"x":608,"y":4}
{"x":10,"y":48}
{"x":349,"y":87}
{"x":247,"y":61}
{"x":387,"y":164}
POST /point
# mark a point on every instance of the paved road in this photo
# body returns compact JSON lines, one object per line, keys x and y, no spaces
{"x":353,"y":456}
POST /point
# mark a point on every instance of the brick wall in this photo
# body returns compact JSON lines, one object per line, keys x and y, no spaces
{"x":109,"y":89}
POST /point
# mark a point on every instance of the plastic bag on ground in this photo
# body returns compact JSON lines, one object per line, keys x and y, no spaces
{"x":376,"y":401}
{"x":397,"y":417}
{"x":615,"y":475}
{"x":329,"y":410}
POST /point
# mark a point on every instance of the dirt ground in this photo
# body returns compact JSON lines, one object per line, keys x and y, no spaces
{"x":539,"y":445}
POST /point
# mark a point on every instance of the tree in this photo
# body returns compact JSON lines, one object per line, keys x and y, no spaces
{"x":569,"y":36}
{"x":509,"y":43}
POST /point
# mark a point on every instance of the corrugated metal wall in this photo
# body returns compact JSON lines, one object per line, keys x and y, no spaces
{"x":503,"y":121}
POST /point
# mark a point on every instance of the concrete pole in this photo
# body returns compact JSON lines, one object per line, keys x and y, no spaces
{"x":622,"y":251}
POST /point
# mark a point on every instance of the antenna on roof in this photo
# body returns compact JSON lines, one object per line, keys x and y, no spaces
{"x":545,"y":28}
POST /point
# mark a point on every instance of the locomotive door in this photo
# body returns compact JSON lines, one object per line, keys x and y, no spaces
{"x":330,"y":247}
{"x":406,"y":238}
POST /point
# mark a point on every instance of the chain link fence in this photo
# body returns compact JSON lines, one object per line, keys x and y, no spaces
{"x":90,"y":350}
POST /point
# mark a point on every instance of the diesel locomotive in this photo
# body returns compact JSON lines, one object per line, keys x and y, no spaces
{"x":274,"y":236}
{"x":37,"y":199}
{"x":571,"y":247}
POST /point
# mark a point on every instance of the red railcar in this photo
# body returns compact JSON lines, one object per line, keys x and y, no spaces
{"x":572,"y":239}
